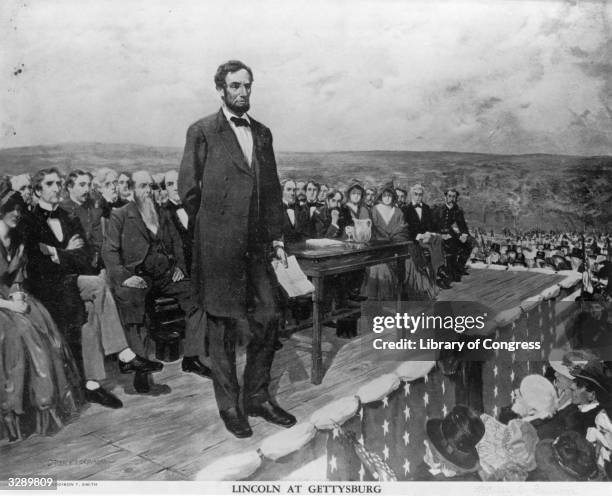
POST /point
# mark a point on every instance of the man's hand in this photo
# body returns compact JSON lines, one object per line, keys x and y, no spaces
{"x":463,"y":238}
{"x":335,"y":217}
{"x":45,"y":249}
{"x":178,"y":275}
{"x":75,"y":243}
{"x":279,"y":252}
{"x":446,"y":237}
{"x":136,"y":282}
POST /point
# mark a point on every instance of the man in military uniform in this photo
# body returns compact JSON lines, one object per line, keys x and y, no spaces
{"x":451,"y":224}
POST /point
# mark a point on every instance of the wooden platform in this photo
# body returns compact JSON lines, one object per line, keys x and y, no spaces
{"x":174,"y":434}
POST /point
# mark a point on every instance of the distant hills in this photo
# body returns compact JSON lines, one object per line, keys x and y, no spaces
{"x":546,"y":191}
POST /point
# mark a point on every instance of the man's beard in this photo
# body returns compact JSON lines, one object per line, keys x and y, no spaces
{"x":236,"y":109}
{"x":146,"y":207}
{"x":110,"y":197}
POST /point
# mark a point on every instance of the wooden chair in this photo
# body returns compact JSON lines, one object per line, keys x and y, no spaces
{"x":166,"y":324}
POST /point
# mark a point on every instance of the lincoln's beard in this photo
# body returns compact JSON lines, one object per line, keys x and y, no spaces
{"x":146,"y":206}
{"x":237,"y":109}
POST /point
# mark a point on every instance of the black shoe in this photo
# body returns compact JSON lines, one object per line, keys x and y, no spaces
{"x":456,"y":277}
{"x":236,"y":423}
{"x":141,"y":382}
{"x":272,"y":413}
{"x":193,"y":364}
{"x":464,"y":272}
{"x":442,"y":284}
{"x":103,"y":397}
{"x":278,"y":345}
{"x":139,"y":364}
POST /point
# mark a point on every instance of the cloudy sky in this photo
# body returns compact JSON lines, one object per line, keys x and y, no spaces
{"x":499,"y":76}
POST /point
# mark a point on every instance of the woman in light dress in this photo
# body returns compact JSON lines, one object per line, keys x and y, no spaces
{"x":387,"y":225}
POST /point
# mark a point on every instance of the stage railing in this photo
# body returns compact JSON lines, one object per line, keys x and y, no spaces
{"x":387,"y":416}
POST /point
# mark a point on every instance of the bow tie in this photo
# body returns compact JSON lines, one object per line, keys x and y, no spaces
{"x":290,"y":207}
{"x":418,"y":205}
{"x":49,"y":214}
{"x":239,"y":121}
{"x":177,"y":205}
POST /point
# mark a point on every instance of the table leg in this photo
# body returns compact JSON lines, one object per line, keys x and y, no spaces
{"x":317,"y":325}
{"x":399,"y":270}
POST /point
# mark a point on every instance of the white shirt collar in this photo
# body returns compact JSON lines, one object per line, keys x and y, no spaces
{"x":47,"y":206}
{"x":228,"y":115}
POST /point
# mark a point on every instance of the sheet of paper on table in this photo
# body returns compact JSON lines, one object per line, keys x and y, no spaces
{"x":323,"y":242}
{"x":292,"y":279}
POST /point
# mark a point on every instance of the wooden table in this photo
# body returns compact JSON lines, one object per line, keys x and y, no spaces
{"x":317,"y":263}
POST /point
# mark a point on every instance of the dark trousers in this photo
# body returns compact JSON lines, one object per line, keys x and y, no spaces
{"x":457,"y":253}
{"x":222,"y":336}
{"x":131,"y":303}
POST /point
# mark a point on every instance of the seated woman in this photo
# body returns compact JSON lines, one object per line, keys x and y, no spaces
{"x":387,"y":224}
{"x":353,"y":212}
{"x":39,"y":381}
{"x":354,"y":208}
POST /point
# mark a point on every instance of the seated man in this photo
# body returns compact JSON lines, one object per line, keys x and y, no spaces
{"x":296,"y":220}
{"x":173,"y":208}
{"x":300,"y":193}
{"x":22,"y":183}
{"x":327,"y":220}
{"x":79,"y":205}
{"x":160,"y":194}
{"x":106,"y":194}
{"x":323,"y":190}
{"x":402,"y":195}
{"x":370,"y":198}
{"x":457,"y":242}
{"x":138,"y":263}
{"x":124,"y":183}
{"x":61,"y":276}
{"x":422,"y":229}
{"x":312,"y":203}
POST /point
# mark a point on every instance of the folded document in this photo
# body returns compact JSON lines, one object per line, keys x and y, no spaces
{"x":291,"y":278}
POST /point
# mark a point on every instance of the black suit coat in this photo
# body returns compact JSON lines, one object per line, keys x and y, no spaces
{"x":416,"y":225}
{"x":127,"y":243}
{"x":322,"y":226}
{"x":90,"y":217}
{"x":446,"y":217}
{"x":169,"y":210}
{"x":214,"y":181}
{"x":301,"y":228}
{"x":56,"y":284}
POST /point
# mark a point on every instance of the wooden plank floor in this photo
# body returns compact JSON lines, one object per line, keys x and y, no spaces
{"x":176,"y":432}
